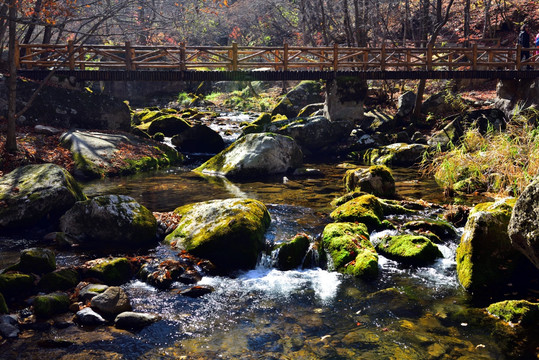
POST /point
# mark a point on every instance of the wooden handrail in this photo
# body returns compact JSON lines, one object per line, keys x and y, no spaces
{"x":235,"y":57}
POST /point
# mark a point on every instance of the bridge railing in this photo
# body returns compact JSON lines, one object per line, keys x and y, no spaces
{"x":234,"y":57}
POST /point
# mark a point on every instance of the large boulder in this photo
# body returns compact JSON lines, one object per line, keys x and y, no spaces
{"x":377,"y":180}
{"x":72,"y":108}
{"x":406,"y":104}
{"x":35,"y":192}
{"x":98,"y":154}
{"x":524,"y":227}
{"x":16,"y":284}
{"x":169,"y":125}
{"x":199,"y":138}
{"x":516,"y":312}
{"x":305,"y":93}
{"x":255,"y":155}
{"x":48,"y":305}
{"x":290,"y":255}
{"x":398,"y":154}
{"x":37,"y":261}
{"x":229,"y":233}
{"x":111,"y":271}
{"x":110,"y":220}
{"x":486,"y":260}
{"x":349,"y":247}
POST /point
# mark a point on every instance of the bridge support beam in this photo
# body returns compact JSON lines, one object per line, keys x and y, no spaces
{"x":345,"y":97}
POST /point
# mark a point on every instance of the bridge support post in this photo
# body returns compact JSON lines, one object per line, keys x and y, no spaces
{"x":345,"y":97}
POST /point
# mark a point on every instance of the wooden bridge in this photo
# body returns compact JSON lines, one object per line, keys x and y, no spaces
{"x":195,"y":63}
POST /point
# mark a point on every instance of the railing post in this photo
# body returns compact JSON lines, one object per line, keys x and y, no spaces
{"x":429,"y":56}
{"x":183,"y":57}
{"x":276,"y":60}
{"x":335,"y":57}
{"x":285,"y":56}
{"x":519,"y":53}
{"x":71,"y":54}
{"x":128,"y":56}
{"x":17,"y":56}
{"x":234,"y":56}
{"x":474,"y":56}
{"x":366,"y":59}
{"x":408,"y":59}
{"x":383,"y":56}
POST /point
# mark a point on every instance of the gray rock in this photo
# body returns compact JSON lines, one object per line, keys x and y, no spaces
{"x":406,"y":104}
{"x":377,"y":180}
{"x":91,"y":290}
{"x":398,"y":154}
{"x":87,"y":316}
{"x":130,"y":320}
{"x":524,"y":227}
{"x":110,"y":220}
{"x":255,"y":155}
{"x":9,"y":327}
{"x":199,"y":138}
{"x":31,"y":193}
{"x":47,"y":130}
{"x":111,"y":302}
{"x":94,"y":153}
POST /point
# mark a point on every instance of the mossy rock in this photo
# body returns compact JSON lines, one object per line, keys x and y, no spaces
{"x":469,"y":186}
{"x":110,"y":220}
{"x":409,"y":249}
{"x":16,"y":284}
{"x":158,"y":136}
{"x":347,"y":197}
{"x":61,"y":279}
{"x":398,"y":154}
{"x":365,"y":209}
{"x":229,"y":233}
{"x":31,"y":193}
{"x":37,"y":261}
{"x":115,"y":271}
{"x":443,"y":229}
{"x":349,"y":247}
{"x":377,"y":180}
{"x":486,"y":260}
{"x":3,"y":305}
{"x":290,"y":255}
{"x":48,"y":305}
{"x":169,"y":125}
{"x":199,"y":138}
{"x":516,"y":311}
{"x":305,"y":93}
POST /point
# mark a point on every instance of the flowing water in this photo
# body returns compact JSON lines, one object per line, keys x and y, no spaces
{"x":406,"y":313}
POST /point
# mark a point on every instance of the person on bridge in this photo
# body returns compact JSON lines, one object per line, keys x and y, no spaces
{"x":524,"y":41}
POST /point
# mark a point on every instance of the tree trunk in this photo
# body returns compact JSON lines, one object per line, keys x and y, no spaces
{"x":11,"y":137}
{"x":466,"y":21}
{"x":486,"y":24}
{"x":33,"y":20}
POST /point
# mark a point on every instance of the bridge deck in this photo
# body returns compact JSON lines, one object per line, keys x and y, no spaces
{"x":126,"y":62}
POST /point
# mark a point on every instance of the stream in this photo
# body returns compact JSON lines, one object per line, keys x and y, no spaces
{"x":406,"y":313}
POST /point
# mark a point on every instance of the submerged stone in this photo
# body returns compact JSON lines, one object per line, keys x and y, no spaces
{"x":35,"y":192}
{"x":130,"y":320}
{"x":229,"y":233}
{"x":409,"y":249}
{"x":349,"y":247}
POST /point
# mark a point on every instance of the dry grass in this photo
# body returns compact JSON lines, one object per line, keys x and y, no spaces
{"x":502,"y":163}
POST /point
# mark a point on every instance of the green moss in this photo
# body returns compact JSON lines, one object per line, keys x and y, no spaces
{"x":263,"y":119}
{"x":46,"y":306}
{"x":114,"y":271}
{"x":62,"y":279}
{"x":229,"y":232}
{"x":16,"y":283}
{"x":37,"y":260}
{"x":410,"y":249}
{"x":365,"y":209}
{"x":351,"y":251}
{"x":290,"y":255}
{"x":88,"y":168}
{"x":516,"y":311}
